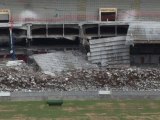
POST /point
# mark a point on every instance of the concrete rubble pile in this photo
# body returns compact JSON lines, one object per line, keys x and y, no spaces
{"x":22,"y":77}
{"x":61,"y":61}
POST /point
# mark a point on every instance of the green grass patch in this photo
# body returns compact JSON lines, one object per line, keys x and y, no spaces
{"x":82,"y":110}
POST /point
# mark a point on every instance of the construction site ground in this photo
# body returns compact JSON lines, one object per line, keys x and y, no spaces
{"x":59,"y":72}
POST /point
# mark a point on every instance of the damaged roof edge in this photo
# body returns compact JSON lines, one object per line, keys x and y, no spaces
{"x":143,"y":32}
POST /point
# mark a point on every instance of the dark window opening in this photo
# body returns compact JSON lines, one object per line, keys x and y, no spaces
{"x":92,"y":31}
{"x":4,"y":37}
{"x":71,"y":31}
{"x":19,"y":32}
{"x":20,"y":42}
{"x":54,"y":42}
{"x":4,"y":31}
{"x":108,"y":16}
{"x":122,"y":30}
{"x":55,"y":31}
{"x":147,"y":54}
{"x":39,"y":31}
{"x":145,"y":49}
{"x":107,"y":30}
{"x":4,"y":21}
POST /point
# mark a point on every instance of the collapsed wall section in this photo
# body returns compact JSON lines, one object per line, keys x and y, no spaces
{"x":109,"y":51}
{"x":59,"y":61}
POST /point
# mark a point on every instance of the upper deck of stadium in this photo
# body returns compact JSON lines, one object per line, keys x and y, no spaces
{"x":55,"y":11}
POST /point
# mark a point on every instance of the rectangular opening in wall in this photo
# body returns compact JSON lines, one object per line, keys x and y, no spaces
{"x":145,"y":54}
{"x":107,"y":14}
{"x":4,"y":15}
{"x":107,"y":30}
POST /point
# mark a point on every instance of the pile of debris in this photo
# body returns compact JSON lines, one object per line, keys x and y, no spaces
{"x":124,"y":79}
{"x":59,"y":61}
{"x":19,"y":77}
{"x":23,"y":77}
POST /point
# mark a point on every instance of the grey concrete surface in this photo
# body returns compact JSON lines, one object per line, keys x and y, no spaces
{"x":80,"y":10}
{"x":109,"y":51}
{"x":81,"y":95}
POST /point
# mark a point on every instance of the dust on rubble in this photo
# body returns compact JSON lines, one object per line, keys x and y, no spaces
{"x":24,"y":77}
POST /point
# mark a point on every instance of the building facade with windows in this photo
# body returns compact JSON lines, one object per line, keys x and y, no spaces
{"x":116,"y":32}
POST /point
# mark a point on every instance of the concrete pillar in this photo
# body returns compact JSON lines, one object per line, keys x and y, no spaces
{"x":29,"y":31}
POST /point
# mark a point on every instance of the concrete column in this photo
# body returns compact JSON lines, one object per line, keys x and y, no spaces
{"x":29,"y":31}
{"x":116,"y":31}
{"x":63,"y":30}
{"x":99,"y":32}
{"x":46,"y":30}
